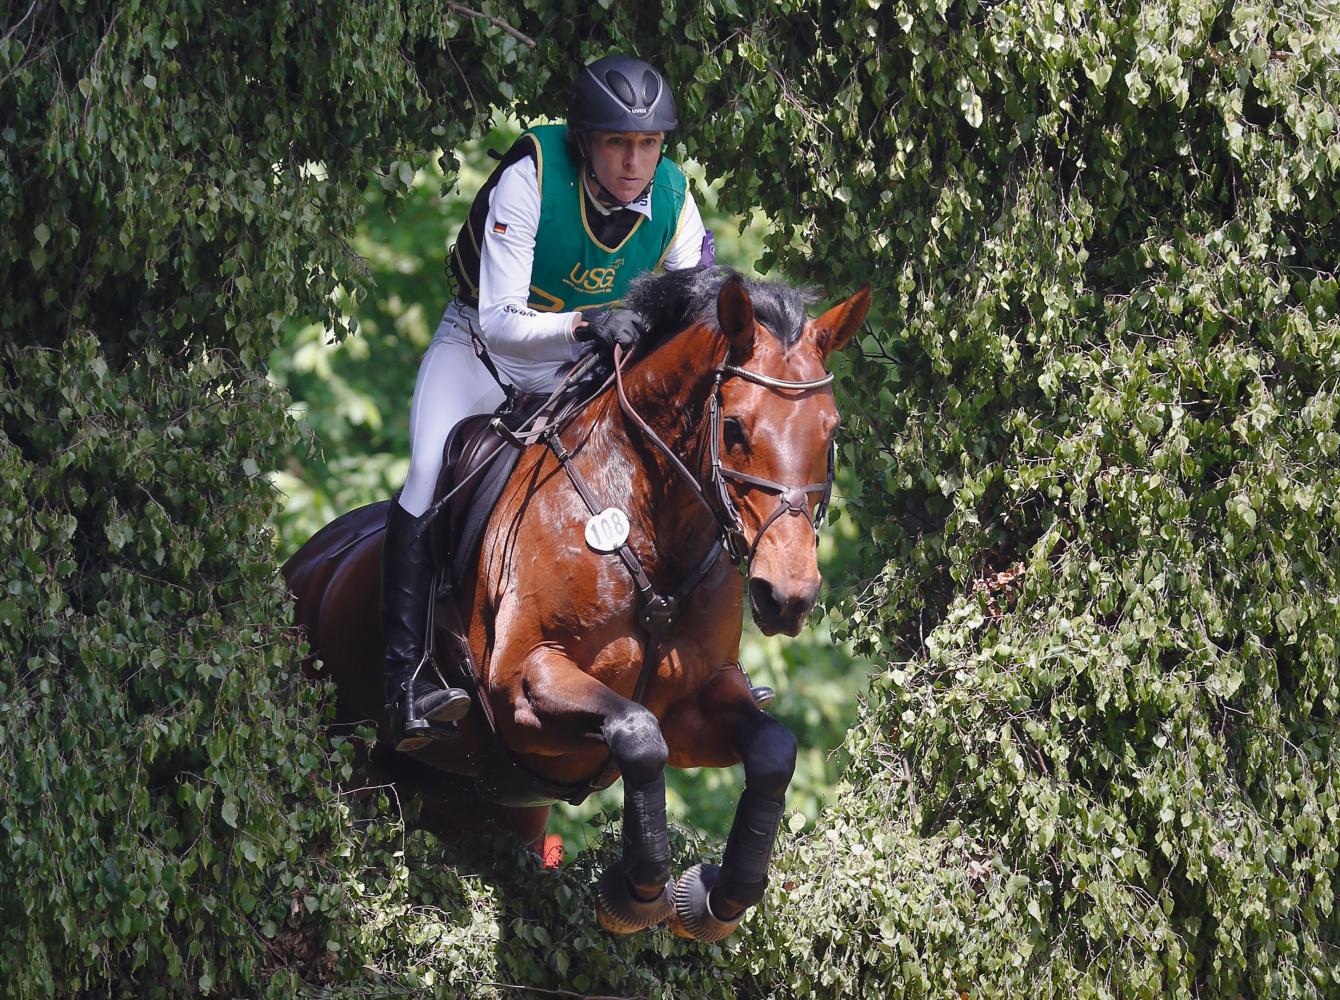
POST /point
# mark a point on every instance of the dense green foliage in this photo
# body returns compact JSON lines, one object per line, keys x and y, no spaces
{"x":1094,"y":419}
{"x":1115,"y":368}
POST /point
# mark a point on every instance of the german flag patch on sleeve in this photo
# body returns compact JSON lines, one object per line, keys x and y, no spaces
{"x":500,"y":228}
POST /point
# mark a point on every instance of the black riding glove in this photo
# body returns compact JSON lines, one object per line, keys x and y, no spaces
{"x":624,"y":327}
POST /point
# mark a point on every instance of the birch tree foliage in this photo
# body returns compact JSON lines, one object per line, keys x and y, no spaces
{"x":1093,"y":417}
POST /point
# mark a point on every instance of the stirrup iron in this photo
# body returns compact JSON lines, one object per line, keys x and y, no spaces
{"x":443,"y":707}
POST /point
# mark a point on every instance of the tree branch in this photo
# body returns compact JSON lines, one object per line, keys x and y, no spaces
{"x":553,"y":993}
{"x":495,"y":21}
{"x":36,"y":5}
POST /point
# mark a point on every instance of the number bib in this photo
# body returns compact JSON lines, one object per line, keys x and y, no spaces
{"x":607,"y":530}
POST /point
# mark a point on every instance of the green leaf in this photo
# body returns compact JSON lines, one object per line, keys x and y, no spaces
{"x":971,"y":106}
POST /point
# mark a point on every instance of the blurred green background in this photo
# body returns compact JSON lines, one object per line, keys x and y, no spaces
{"x":353,"y":396}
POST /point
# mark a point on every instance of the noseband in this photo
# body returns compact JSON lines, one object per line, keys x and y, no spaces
{"x":791,"y":499}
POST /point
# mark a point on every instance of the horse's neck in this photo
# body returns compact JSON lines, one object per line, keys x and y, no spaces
{"x":670,"y":388}
{"x":669,"y":391}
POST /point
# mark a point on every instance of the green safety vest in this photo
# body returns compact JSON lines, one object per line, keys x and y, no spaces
{"x":572,"y":269}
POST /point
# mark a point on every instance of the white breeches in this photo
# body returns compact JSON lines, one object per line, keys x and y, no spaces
{"x":454,"y":384}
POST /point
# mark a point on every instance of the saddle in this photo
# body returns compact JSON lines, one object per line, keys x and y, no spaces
{"x":457,"y":532}
{"x":476,"y":442}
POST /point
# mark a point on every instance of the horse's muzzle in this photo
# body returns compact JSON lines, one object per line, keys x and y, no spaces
{"x":781,"y":608}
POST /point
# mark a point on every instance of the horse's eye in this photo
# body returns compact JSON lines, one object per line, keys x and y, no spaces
{"x":732,"y":433}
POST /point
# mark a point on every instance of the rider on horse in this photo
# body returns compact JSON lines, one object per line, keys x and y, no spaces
{"x":600,"y":201}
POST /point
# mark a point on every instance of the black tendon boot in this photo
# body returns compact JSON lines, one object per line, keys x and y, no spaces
{"x":418,"y":709}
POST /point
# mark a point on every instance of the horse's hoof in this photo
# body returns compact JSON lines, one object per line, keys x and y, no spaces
{"x":693,"y":916}
{"x":620,"y":912}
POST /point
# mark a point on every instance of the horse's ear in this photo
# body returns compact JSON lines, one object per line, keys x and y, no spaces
{"x":834,"y":328}
{"x":735,"y":316}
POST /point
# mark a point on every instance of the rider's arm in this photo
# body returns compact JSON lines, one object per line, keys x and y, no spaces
{"x":509,"y":325}
{"x":687,"y":247}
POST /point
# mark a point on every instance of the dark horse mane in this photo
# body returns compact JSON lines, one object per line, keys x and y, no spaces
{"x":678,"y":299}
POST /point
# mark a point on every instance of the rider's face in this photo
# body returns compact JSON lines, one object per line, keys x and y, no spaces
{"x":625,"y":161}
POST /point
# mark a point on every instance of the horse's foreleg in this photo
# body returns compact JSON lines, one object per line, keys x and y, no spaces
{"x":725,"y":726}
{"x":571,"y":708}
{"x":635,"y":742}
{"x":769,"y":753}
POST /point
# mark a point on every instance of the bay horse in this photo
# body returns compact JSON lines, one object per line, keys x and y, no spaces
{"x":718,"y":437}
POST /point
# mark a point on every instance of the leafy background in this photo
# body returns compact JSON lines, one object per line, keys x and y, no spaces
{"x":1096,"y":518}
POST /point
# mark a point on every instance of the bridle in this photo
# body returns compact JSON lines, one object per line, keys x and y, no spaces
{"x":791,"y":499}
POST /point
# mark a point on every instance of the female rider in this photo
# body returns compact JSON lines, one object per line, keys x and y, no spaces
{"x":602,"y":205}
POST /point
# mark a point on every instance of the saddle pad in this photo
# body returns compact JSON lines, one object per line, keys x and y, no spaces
{"x":457,"y":533}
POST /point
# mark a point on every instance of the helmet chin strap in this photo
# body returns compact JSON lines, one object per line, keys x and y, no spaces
{"x":605,"y":199}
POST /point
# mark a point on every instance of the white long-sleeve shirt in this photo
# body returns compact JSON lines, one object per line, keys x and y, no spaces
{"x":510,"y":327}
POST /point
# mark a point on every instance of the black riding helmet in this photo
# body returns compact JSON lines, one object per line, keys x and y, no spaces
{"x":621,"y":94}
{"x":618,"y":93}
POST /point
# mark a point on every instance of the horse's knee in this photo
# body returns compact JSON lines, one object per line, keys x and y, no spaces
{"x":635,"y":741}
{"x":770,"y":760}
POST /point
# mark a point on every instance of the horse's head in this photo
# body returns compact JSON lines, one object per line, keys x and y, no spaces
{"x":774,"y":425}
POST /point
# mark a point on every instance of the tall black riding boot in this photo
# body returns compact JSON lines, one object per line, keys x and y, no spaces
{"x":418,"y":709}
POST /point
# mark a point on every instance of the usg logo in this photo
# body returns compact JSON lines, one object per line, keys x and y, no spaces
{"x":593,"y":279}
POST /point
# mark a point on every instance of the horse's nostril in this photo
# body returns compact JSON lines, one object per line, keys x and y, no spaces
{"x":779,"y":610}
{"x":764,"y":599}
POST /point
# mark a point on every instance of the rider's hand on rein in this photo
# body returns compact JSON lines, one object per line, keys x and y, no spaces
{"x":624,"y":327}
